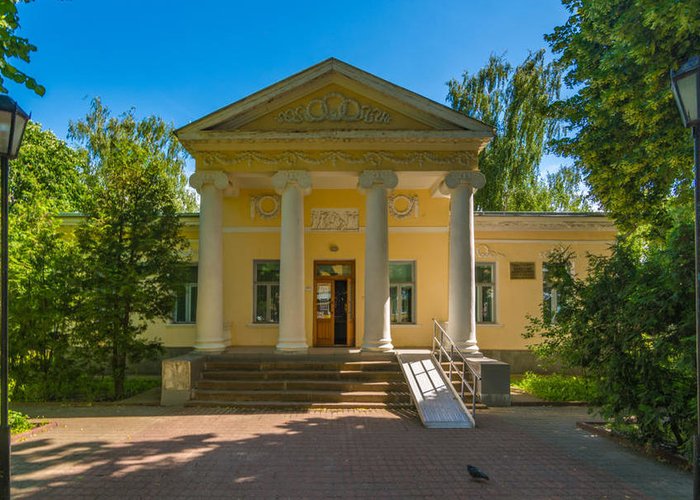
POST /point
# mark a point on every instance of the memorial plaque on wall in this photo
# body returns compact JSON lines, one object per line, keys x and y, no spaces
{"x":522,"y":270}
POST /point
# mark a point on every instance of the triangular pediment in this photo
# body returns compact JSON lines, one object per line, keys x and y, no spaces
{"x":336,"y":97}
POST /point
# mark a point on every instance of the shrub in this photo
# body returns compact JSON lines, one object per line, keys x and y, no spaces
{"x":19,"y":422}
{"x":629,"y":327}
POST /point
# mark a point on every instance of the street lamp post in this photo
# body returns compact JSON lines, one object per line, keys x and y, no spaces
{"x":685,"y":84}
{"x":12,"y":123}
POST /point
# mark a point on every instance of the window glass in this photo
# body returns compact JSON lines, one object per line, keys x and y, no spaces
{"x":484,"y":273}
{"x":185,"y":309}
{"x":266,"y":290}
{"x":551,"y":293}
{"x":267,"y":271}
{"x":402,"y":291}
{"x":401,"y":272}
{"x":333,"y":270}
{"x":485,"y":293}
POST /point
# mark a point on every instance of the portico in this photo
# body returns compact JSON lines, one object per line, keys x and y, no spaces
{"x":326,"y":188}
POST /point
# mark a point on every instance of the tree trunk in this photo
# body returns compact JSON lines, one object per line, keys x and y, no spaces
{"x":118,"y":371}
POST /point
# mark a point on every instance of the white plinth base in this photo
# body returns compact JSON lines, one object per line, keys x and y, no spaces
{"x":210,"y":347}
{"x":381,"y":346}
{"x":292,"y":348}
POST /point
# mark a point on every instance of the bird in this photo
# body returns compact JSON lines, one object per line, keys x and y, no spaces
{"x":476,"y":473}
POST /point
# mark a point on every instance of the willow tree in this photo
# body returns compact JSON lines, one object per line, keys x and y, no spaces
{"x":133,"y":252}
{"x":517,"y":102}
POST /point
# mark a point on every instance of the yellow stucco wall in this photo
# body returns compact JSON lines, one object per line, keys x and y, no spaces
{"x":422,"y":238}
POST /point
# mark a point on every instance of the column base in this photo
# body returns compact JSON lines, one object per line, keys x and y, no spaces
{"x":210,"y":347}
{"x":470,"y":350}
{"x":292,"y":348}
{"x":378,"y":346}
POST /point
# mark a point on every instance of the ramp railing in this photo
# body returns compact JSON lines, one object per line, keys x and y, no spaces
{"x":445,"y":348}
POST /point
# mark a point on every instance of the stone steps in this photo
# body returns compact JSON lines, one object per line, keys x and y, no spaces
{"x":304,"y":396}
{"x":342,"y":375}
{"x":302,"y":365}
{"x":289,"y":405}
{"x":299,"y":385}
{"x":304,"y":382}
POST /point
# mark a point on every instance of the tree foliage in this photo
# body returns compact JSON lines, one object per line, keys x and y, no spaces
{"x":44,"y":180}
{"x":625,"y":132}
{"x":132,"y":252}
{"x":13,"y":46}
{"x":516,"y":101}
{"x":630,"y":326}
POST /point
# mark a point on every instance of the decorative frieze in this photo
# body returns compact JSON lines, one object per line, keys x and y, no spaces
{"x":335,"y":219}
{"x":264,"y":206}
{"x":334,"y":107}
{"x":402,"y":205}
{"x":282,"y":159}
{"x":543,"y":222}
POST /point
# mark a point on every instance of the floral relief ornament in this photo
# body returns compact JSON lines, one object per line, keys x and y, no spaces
{"x":334,"y":107}
{"x":410,"y":203}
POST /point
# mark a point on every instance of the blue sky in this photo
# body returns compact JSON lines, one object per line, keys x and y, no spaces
{"x":183,"y":59}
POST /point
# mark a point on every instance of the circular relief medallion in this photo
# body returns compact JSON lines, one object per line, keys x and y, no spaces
{"x":267,"y":206}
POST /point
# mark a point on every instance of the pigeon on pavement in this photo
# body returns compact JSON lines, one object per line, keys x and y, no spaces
{"x":476,"y":473}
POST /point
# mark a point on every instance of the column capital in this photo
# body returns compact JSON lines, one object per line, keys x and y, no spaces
{"x":469,"y":178}
{"x":283,"y":178}
{"x":378,"y":178}
{"x":217,"y":178}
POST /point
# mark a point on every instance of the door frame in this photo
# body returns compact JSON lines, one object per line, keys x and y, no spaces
{"x":350,"y":342}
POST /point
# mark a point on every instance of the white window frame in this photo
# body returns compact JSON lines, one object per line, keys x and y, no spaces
{"x":480,"y":289}
{"x":399,"y":286}
{"x":268,"y":286}
{"x":190,"y":309}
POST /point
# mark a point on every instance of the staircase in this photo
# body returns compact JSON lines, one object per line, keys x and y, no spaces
{"x":359,"y":381}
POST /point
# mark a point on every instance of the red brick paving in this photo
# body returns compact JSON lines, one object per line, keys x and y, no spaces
{"x":210,"y":453}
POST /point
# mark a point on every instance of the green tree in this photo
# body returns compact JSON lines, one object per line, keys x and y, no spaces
{"x":131,"y":243}
{"x":625,"y":132}
{"x":516,"y":101}
{"x":44,"y":180}
{"x":13,"y":46}
{"x":629,"y":325}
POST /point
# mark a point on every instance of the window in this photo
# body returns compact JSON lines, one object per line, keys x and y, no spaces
{"x":485,"y":293}
{"x":551,"y":289}
{"x":402,"y":282}
{"x":266,"y":290}
{"x":185,"y":310}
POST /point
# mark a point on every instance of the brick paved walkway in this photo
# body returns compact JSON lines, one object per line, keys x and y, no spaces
{"x":150,"y":452}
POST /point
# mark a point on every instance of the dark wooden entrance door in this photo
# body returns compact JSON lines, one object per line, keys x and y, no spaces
{"x":334,"y":311}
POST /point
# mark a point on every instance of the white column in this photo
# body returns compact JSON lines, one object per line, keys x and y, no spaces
{"x":461,"y":325}
{"x":293,"y":185}
{"x":375,"y":184}
{"x":210,"y":289}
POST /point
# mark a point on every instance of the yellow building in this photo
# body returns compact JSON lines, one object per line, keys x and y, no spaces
{"x":337,"y":210}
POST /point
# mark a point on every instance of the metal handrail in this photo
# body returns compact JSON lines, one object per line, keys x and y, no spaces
{"x":439,"y":338}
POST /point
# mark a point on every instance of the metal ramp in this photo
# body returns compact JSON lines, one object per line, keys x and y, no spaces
{"x":438,"y":404}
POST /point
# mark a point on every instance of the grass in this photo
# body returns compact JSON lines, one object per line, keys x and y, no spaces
{"x":84,"y":389}
{"x":555,"y":387}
